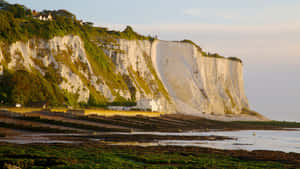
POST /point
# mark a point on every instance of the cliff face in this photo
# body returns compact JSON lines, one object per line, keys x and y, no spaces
{"x":199,"y":84}
{"x":66,"y":55}
{"x":175,"y":74}
{"x":133,"y":61}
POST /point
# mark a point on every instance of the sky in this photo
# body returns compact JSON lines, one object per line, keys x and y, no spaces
{"x":265,"y":34}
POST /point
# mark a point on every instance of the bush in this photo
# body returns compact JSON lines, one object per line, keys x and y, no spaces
{"x":24,"y":87}
{"x":235,"y":59}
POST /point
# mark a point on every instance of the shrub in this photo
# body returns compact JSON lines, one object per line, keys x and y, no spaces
{"x":24,"y":87}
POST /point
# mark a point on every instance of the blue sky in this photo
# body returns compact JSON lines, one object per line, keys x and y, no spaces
{"x":265,"y":34}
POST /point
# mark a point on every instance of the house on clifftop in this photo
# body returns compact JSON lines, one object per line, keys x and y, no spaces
{"x":42,"y":17}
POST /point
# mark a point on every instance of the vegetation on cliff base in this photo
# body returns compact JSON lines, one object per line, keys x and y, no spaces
{"x":24,"y":88}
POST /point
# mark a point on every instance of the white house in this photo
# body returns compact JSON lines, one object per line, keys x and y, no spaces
{"x":155,"y":105}
{"x":50,"y":17}
{"x":44,"y":17}
{"x":119,"y":108}
{"x":149,"y":104}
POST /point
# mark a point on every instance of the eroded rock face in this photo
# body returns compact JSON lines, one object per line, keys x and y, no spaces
{"x":198,"y":84}
{"x":130,"y":61}
{"x":64,"y":54}
{"x":133,"y":60}
{"x":175,"y":74}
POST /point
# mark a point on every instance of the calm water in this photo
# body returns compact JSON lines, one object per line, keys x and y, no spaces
{"x":287,"y":141}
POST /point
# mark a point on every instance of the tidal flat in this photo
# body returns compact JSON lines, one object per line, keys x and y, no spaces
{"x":45,"y":139}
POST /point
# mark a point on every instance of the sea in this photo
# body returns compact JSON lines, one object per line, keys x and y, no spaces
{"x":274,"y":140}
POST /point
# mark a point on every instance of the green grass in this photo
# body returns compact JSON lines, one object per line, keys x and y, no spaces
{"x":193,"y":43}
{"x":235,"y":59}
{"x":128,"y":33}
{"x":58,"y":156}
{"x":215,"y":55}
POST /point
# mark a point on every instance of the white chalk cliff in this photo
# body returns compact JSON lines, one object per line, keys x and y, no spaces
{"x":173,"y":73}
{"x":200,"y":85}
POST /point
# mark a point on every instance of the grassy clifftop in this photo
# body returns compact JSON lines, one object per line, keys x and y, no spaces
{"x":207,"y":54}
{"x":20,"y":23}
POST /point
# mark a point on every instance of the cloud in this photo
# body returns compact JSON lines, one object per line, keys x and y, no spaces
{"x":212,"y":13}
{"x":193,"y":12}
{"x":270,"y":13}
